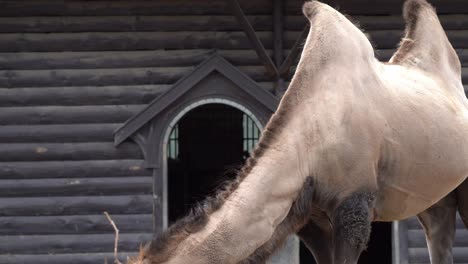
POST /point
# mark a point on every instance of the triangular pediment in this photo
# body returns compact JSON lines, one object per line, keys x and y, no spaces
{"x":214,"y":63}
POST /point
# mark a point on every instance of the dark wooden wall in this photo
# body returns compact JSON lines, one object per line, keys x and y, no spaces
{"x":73,"y":71}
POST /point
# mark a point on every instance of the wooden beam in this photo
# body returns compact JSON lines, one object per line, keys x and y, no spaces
{"x":400,"y":242}
{"x":74,"y":224}
{"x":81,"y":95}
{"x":57,"y":133}
{"x":46,"y":24}
{"x":372,"y":7}
{"x":105,"y":77}
{"x":76,"y":186}
{"x":69,"y":258}
{"x":76,"y":205}
{"x":124,"y":8}
{"x":123,"y":41}
{"x":119,"y":59}
{"x":295,"y":51}
{"x":68,"y":151}
{"x":160,"y":201}
{"x":254,"y":40}
{"x":278,"y":24}
{"x":67,"y":169}
{"x":88,"y":114}
{"x":93,"y":243}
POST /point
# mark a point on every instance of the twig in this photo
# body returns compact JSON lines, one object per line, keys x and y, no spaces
{"x":116,"y":243}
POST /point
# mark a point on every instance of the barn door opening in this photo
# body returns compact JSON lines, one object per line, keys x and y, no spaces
{"x":205,"y":149}
{"x":379,"y":249}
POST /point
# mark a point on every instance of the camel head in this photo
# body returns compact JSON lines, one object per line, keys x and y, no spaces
{"x":145,"y":256}
{"x":142,"y":258}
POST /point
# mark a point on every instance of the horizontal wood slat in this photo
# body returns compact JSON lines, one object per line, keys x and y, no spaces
{"x":76,"y":187}
{"x":81,"y":95}
{"x":413,"y":223}
{"x":77,"y":258}
{"x":163,"y":23}
{"x":138,"y":7}
{"x":417,"y":239}
{"x":76,"y":205}
{"x":180,"y":7}
{"x":421,"y":255}
{"x":37,"y":244}
{"x":91,"y":77}
{"x":385,"y":7}
{"x":47,"y":24}
{"x":120,"y":59}
{"x":107,"y":77}
{"x":68,"y":151}
{"x":76,"y":224}
{"x":67,"y":169}
{"x":395,"y":22}
{"x":122,"y":41}
{"x":58,"y":133}
{"x":41,"y":115}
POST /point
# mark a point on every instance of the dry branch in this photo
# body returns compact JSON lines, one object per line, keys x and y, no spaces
{"x":116,"y":243}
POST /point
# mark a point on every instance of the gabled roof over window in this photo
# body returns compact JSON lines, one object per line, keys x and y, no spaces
{"x":215,"y":63}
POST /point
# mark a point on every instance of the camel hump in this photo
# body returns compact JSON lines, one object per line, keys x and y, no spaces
{"x":333,"y":38}
{"x":425,"y":44}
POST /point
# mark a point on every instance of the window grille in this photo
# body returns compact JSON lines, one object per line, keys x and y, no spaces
{"x":173,"y":145}
{"x":251,"y":135}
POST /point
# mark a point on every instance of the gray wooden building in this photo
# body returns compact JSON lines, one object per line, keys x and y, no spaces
{"x":122,"y":106}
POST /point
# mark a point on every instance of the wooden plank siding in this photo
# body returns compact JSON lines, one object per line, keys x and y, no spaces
{"x":417,"y":249}
{"x":71,"y":72}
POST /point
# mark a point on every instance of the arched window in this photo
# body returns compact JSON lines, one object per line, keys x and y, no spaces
{"x":206,"y":147}
{"x":251,"y":135}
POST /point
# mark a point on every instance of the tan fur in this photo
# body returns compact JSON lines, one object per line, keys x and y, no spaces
{"x":349,"y":124}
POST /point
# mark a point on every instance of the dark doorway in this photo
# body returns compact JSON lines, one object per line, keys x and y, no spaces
{"x":206,"y":148}
{"x":379,"y":249}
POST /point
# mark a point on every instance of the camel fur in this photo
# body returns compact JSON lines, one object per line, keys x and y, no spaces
{"x":354,"y":140}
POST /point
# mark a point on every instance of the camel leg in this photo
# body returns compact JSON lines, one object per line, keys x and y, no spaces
{"x":439,"y":225}
{"x":352,"y":227}
{"x":462,"y":201}
{"x":318,"y":239}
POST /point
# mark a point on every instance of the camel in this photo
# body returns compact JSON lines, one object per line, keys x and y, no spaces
{"x":354,"y":140}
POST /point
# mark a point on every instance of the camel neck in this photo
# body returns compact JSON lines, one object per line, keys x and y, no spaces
{"x":252,"y":212}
